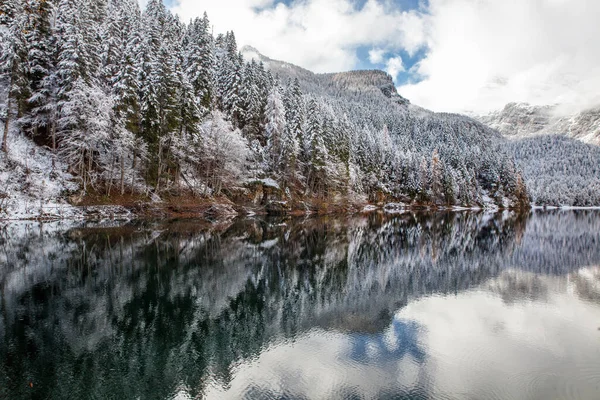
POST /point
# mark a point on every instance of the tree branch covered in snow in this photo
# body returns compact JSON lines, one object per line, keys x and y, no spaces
{"x":139,"y":101}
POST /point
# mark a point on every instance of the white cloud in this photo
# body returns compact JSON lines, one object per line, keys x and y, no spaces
{"x":485,"y":53}
{"x":321,"y":35}
{"x":394,"y":66}
{"x":376,"y":56}
{"x":481,"y":54}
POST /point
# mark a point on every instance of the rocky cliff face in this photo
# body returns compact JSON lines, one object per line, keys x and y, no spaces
{"x":350,"y":81}
{"x":523,"y":120}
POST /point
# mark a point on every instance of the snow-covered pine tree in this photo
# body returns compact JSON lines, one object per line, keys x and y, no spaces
{"x":188,"y":102}
{"x":293,"y":108}
{"x":41,"y":56}
{"x":71,"y":57}
{"x":436,"y":177}
{"x":232,"y":101}
{"x":199,"y":60}
{"x":84,"y":127}
{"x":252,"y":102}
{"x":275,"y":129}
{"x":315,"y":151}
{"x":122,"y":68}
{"x":13,"y":64}
{"x":93,"y":31}
{"x":312,"y":129}
{"x":424,"y":187}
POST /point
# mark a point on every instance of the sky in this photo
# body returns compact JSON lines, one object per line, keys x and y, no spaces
{"x":445,"y":55}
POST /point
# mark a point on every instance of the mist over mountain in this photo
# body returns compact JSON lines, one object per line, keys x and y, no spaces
{"x":518,"y":120}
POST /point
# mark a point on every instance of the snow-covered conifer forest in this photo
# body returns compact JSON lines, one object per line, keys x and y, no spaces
{"x":99,"y":97}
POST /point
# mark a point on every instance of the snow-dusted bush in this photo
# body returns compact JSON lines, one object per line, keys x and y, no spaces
{"x":224,"y":153}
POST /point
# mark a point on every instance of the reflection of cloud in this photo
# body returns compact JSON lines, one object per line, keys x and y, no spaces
{"x":476,"y":345}
{"x":506,"y":348}
{"x":586,"y":283}
{"x":316,"y":366}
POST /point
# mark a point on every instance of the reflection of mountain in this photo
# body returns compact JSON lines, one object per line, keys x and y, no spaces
{"x":515,"y":285}
{"x":142,"y":309}
{"x":500,"y":340}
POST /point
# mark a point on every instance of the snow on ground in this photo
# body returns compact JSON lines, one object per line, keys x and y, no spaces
{"x":369,"y":208}
{"x":488,"y":203}
{"x":267,"y":182}
{"x":29,"y":186}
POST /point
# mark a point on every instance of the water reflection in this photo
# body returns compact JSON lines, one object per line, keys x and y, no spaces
{"x":408,"y":306}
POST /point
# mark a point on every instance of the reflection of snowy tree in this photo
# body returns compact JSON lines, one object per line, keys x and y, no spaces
{"x":197,"y":299}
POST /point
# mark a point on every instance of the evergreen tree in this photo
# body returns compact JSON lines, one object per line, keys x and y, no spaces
{"x":275,"y":130}
{"x":199,"y":60}
{"x":84,"y":127}
{"x":315,"y":151}
{"x":41,"y":55}
{"x":252,"y":102}
{"x":13,"y":65}
{"x":232,"y":100}
{"x":122,"y":68}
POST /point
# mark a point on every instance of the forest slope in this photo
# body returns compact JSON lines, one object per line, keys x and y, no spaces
{"x":519,"y":120}
{"x":557,"y":152}
{"x":139,"y":103}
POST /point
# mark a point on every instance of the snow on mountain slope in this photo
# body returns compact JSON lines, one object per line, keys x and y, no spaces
{"x":479,"y":170}
{"x":331,"y":83}
{"x":524,"y":120}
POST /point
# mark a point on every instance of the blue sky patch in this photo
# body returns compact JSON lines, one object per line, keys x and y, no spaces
{"x":408,"y":75}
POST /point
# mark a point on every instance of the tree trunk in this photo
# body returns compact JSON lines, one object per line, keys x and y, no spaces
{"x":53,"y":133}
{"x":6,"y":126}
{"x":159,"y":167}
{"x":133,"y":170}
{"x":112,"y":174}
{"x":83,"y":170}
{"x":122,"y":175}
{"x":89,"y":170}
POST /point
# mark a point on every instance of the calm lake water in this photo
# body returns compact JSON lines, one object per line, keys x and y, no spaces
{"x":412,"y":306}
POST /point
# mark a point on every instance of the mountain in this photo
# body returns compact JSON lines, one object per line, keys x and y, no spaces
{"x":135,"y":106}
{"x":439,"y":158}
{"x":323,"y":84}
{"x":558,"y":153}
{"x":558,"y":170}
{"x":524,"y":120}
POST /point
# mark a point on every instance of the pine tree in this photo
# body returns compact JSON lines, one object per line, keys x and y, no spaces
{"x":13,"y":65}
{"x":313,"y":129}
{"x":315,"y":150}
{"x":232,"y":100}
{"x":424,"y":186}
{"x":72,"y":64}
{"x":122,"y":68}
{"x":84,"y":127}
{"x":436,"y":176}
{"x":275,"y":130}
{"x":41,"y":54}
{"x":199,"y":60}
{"x":189,"y":102}
{"x":252,"y":103}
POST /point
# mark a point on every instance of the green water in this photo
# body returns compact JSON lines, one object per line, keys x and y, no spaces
{"x":411,"y":306}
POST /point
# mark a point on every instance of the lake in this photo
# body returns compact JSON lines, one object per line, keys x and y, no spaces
{"x":407,"y":306}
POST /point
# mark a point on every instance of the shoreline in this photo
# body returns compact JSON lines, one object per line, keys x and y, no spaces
{"x":216,"y":210}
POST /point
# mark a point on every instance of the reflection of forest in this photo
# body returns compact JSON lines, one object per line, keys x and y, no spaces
{"x":137,"y":310}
